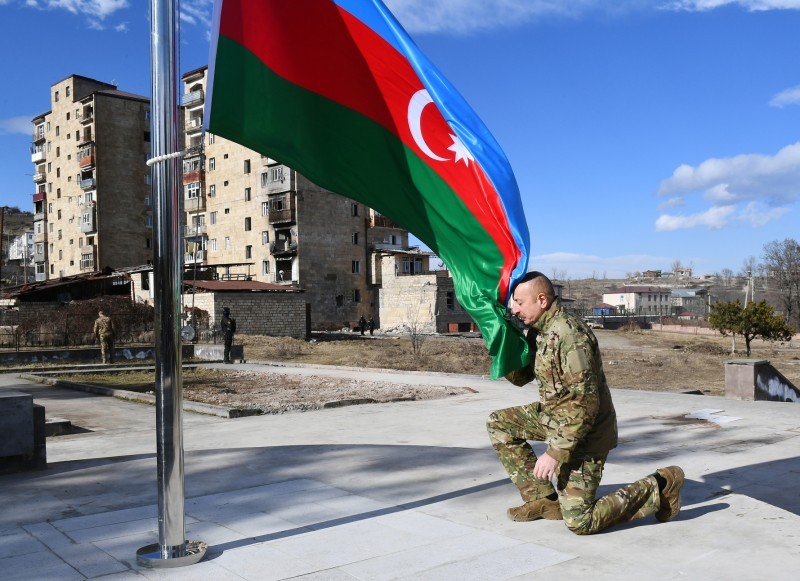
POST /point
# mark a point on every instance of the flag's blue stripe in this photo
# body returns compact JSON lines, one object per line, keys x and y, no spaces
{"x":459,"y":115}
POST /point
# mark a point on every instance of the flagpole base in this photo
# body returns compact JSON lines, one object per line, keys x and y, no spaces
{"x":157,"y":557}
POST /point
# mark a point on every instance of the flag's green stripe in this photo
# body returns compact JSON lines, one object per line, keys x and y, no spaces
{"x":326,"y":141}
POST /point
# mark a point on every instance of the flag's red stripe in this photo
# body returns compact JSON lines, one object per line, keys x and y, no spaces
{"x":344,"y":60}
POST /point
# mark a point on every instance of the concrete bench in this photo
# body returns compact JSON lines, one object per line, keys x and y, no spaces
{"x":757,"y":379}
{"x":23,"y":443}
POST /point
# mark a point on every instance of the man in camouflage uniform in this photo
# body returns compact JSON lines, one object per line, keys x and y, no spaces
{"x":104,"y":332}
{"x":575,"y":417}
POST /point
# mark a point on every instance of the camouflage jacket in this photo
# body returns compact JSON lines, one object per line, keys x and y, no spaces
{"x":103,"y":327}
{"x":576,"y":407}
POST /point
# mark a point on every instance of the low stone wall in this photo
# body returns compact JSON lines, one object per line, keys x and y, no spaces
{"x":206,"y":352}
{"x":273,"y":314}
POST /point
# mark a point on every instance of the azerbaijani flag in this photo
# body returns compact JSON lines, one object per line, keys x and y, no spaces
{"x":338,"y":91}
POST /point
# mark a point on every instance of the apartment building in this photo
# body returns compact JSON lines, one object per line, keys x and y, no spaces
{"x":640,"y":300}
{"x":259,"y":219}
{"x":92,"y":205}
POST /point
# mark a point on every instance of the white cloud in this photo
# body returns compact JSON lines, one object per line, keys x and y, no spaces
{"x":14,"y":125}
{"x":100,"y":9}
{"x":465,"y":16}
{"x":197,"y":12}
{"x":713,"y":219}
{"x":772,"y":179}
{"x":749,"y":5}
{"x":787,"y":97}
{"x":675,"y":202}
{"x":757,"y":216}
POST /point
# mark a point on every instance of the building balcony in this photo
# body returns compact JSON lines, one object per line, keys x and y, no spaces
{"x":283,"y":248}
{"x":38,"y":156}
{"x":38,"y":137}
{"x":377,"y":221}
{"x":38,"y":216}
{"x":191,"y":230}
{"x":86,"y":156}
{"x":193,"y":99}
{"x":88,"y":184}
{"x":283,"y":181}
{"x":39,"y":177}
{"x":282,"y":216}
{"x":40,"y":255}
{"x":190,"y":177}
{"x":87,"y":220}
{"x":194,"y":257}
{"x":39,"y":197}
{"x":87,"y":115}
{"x":87,"y":263}
{"x":40,"y":276}
{"x":196,"y":204}
{"x":193,"y":124}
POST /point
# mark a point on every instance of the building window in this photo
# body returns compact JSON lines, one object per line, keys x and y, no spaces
{"x":355,"y":238}
{"x":356,"y":295}
{"x":210,"y":138}
{"x":227,"y":210}
{"x":451,"y":301}
{"x":148,"y":220}
{"x":247,"y":166}
{"x":264,"y":208}
{"x":68,"y":96}
{"x":213,"y":217}
{"x":248,"y":251}
{"x":247,"y":194}
{"x":227,"y":243}
{"x":356,"y":266}
{"x":354,"y":210}
{"x":58,"y":129}
{"x":212,"y":164}
{"x":264,"y":237}
{"x":55,"y":97}
{"x":212,"y":191}
{"x":193,"y":190}
{"x":265,"y":267}
{"x":213,"y":244}
{"x":247,"y":224}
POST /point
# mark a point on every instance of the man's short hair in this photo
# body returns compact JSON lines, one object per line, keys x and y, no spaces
{"x":541,"y":284}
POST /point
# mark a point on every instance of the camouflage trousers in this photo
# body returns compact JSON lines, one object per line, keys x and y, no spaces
{"x":577,"y":480}
{"x":107,"y":348}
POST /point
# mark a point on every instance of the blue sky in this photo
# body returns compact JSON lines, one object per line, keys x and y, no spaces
{"x":641,"y":132}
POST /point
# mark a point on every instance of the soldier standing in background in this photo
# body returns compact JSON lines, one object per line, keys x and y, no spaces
{"x":104,"y":332}
{"x":575,"y":417}
{"x":228,"y":327}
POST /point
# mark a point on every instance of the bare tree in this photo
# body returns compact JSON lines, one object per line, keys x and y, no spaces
{"x":676,"y":266}
{"x":782,"y":270}
{"x":727,"y":276}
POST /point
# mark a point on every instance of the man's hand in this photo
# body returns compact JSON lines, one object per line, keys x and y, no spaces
{"x":545,"y":467}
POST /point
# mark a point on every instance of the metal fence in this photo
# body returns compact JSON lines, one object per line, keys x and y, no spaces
{"x":73,"y":331}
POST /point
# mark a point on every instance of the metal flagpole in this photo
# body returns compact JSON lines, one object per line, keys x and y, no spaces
{"x":172,"y":549}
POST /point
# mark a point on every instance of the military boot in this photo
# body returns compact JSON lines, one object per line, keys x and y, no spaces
{"x":670,"y":494}
{"x":535,"y":510}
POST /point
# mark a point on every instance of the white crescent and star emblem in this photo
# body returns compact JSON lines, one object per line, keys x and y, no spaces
{"x":416,"y":105}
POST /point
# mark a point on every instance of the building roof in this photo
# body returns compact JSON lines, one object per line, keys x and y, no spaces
{"x":238,"y":286}
{"x":638,"y":289}
{"x":688,"y":292}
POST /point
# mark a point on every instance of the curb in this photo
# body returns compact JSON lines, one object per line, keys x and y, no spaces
{"x":191,"y":406}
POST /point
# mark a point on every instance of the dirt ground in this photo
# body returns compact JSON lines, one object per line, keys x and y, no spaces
{"x":647,"y":360}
